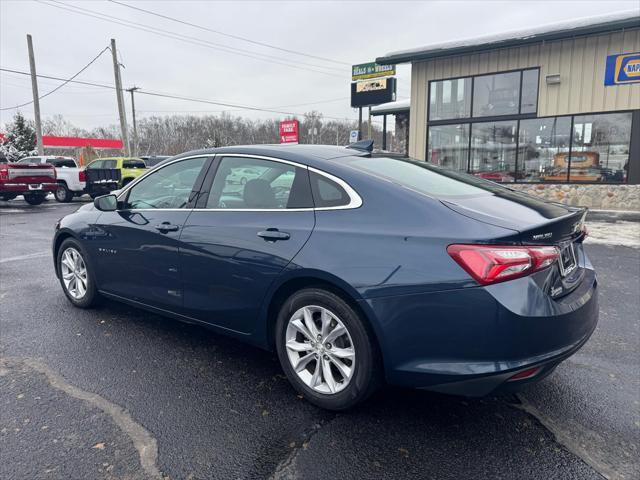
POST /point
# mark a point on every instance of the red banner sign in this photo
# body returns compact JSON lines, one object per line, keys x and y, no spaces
{"x":49,"y":141}
{"x":289,"y":131}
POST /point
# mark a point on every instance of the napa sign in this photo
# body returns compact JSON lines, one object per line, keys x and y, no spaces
{"x":622,"y":69}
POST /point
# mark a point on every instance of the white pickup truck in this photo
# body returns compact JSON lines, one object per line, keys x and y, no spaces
{"x":70,"y":178}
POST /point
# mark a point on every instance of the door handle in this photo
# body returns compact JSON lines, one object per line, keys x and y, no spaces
{"x":273,"y":234}
{"x":165,"y":227}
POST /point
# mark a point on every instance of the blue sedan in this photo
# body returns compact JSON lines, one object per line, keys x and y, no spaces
{"x":357,"y":269}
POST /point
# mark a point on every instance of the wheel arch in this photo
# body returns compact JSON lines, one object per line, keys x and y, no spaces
{"x":61,"y":237}
{"x":308,"y":279}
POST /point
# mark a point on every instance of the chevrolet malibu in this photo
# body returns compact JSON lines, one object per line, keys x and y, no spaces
{"x":357,"y":269}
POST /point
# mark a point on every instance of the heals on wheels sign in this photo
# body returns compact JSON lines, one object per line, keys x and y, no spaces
{"x":289,"y":131}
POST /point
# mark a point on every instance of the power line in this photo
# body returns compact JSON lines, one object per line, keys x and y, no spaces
{"x":178,"y":97}
{"x":62,"y":84}
{"x":185,"y":38}
{"x":93,"y":84}
{"x":237,"y":37}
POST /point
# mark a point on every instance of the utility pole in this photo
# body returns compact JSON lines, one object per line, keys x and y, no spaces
{"x":134,"y":145}
{"x":36,"y":96}
{"x":120,"y":99}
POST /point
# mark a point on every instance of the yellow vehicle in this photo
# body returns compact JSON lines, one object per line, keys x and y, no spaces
{"x":130,"y":167}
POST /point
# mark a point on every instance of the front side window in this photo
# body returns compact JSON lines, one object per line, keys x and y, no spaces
{"x":496,"y":94}
{"x":449,"y":146}
{"x":255,"y":184}
{"x":168,"y":187}
{"x":543,"y":149}
{"x":600,"y":148}
{"x":493,"y":150}
{"x":450,"y":99}
{"x":96,"y":164}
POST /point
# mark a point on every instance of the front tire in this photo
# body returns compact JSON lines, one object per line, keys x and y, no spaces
{"x":34,"y":198}
{"x":75,"y":274}
{"x":326,"y":350}
{"x":63,"y":194}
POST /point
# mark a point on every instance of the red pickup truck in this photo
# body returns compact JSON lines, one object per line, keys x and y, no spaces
{"x":33,"y":182}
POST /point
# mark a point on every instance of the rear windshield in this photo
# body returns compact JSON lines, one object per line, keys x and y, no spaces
{"x":426,"y":178}
{"x":62,"y":163}
{"x":133,"y":164}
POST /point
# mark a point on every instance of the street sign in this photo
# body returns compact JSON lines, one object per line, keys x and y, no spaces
{"x":353,"y":136}
{"x":289,"y":131}
{"x":371,"y":70}
{"x":373,"y":92}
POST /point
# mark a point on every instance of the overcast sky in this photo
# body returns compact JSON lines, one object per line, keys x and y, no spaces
{"x":343,"y":32}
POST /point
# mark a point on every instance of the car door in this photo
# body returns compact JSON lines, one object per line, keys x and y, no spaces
{"x":136,"y":249}
{"x":236,"y":245}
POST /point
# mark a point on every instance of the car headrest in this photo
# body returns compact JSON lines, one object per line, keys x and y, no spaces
{"x":259,"y":194}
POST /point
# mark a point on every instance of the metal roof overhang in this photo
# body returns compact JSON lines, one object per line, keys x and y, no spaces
{"x":428,"y":53}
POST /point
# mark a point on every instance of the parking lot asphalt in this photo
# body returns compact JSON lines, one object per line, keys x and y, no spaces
{"x":119,"y":393}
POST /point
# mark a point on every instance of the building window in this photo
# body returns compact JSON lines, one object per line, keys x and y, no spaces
{"x":449,"y":146}
{"x":493,"y":150}
{"x":543,"y":142}
{"x":496,"y":94}
{"x":600,"y":148}
{"x":529,"y":97}
{"x":450,"y":99}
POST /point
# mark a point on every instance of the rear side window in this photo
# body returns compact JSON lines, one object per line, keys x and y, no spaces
{"x":245,"y":183}
{"x":133,"y":164}
{"x":326,"y":192}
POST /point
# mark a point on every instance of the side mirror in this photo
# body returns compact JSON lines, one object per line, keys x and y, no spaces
{"x":106,"y":203}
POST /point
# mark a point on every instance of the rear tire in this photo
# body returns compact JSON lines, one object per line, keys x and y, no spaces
{"x":75,"y":274}
{"x":34,"y":198}
{"x":63,"y":194}
{"x":345,"y":351}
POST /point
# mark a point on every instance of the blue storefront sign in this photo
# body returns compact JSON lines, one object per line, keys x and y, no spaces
{"x":622,"y":69}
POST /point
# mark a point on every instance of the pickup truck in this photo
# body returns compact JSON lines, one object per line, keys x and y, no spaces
{"x":70,"y":178}
{"x":130,"y":167}
{"x":33,"y":181}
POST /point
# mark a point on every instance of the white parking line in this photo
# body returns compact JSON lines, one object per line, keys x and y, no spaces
{"x":29,"y":256}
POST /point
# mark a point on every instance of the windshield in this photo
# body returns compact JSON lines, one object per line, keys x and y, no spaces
{"x":425,"y":178}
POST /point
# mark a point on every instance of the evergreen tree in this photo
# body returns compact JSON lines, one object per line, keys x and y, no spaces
{"x":20,"y":141}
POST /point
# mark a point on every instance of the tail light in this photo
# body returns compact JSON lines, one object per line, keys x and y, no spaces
{"x":4,"y":174}
{"x":82,"y":176}
{"x":55,"y":173}
{"x":489,"y":264}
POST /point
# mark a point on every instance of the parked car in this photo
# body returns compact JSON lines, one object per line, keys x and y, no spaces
{"x":369,"y":270}
{"x":70,"y":178}
{"x":130,"y":167}
{"x":32,"y":181}
{"x":242,"y":175}
{"x":153,"y":160}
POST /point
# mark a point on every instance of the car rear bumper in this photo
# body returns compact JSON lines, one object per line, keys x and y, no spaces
{"x":22,"y":188}
{"x":471,"y":341}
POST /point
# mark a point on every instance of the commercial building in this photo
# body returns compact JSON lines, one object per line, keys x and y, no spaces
{"x":554,"y":110}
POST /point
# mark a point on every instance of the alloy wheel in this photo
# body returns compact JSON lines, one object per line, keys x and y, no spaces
{"x":74,"y":273}
{"x":320,"y":349}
